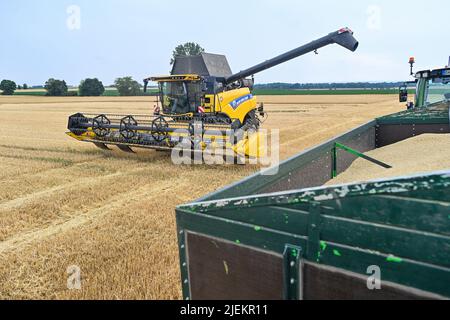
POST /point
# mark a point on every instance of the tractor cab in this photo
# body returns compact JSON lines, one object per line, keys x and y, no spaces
{"x":191,"y":79}
{"x":181,"y":94}
{"x":432,"y":87}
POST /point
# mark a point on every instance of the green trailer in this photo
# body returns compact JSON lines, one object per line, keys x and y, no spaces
{"x":286,"y":236}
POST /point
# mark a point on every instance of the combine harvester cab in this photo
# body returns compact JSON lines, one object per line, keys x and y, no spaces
{"x":202,"y":106}
{"x":286,"y":236}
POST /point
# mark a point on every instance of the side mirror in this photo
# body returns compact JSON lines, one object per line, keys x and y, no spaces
{"x":403,"y":94}
{"x":145,"y":85}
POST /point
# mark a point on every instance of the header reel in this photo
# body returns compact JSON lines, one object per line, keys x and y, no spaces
{"x":151,"y":132}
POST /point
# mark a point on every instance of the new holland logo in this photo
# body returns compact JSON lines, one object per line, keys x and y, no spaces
{"x":236,"y":103}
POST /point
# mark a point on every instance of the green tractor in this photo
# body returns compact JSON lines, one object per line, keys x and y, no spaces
{"x":432,"y":88}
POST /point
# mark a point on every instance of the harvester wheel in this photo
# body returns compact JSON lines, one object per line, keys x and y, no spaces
{"x":101,"y":126}
{"x":126,"y":127}
{"x":158,"y":132}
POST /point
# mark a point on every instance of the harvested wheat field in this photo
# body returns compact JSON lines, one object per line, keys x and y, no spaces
{"x":422,"y":154}
{"x":65,"y":203}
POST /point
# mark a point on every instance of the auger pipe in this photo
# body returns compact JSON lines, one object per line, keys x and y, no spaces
{"x":343,"y":37}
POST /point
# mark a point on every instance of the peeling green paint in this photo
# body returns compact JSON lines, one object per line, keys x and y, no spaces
{"x":392,"y":258}
{"x":319,"y":255}
{"x":373,"y":188}
{"x":337,"y":253}
{"x":323,"y":245}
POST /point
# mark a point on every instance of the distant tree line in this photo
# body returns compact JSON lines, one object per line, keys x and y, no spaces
{"x":329,"y":86}
{"x":125,"y":86}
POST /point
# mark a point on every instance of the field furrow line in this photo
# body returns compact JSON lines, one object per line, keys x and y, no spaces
{"x":80,"y":218}
{"x":18,"y":202}
{"x":74,"y":164}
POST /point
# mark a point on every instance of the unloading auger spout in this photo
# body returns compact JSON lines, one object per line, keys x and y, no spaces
{"x":343,"y":37}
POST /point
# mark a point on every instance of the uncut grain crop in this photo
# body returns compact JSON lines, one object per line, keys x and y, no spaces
{"x":64,"y":203}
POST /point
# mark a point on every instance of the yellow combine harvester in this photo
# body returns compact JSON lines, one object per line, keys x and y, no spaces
{"x":201,"y":105}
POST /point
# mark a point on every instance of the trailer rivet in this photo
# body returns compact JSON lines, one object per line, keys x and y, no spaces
{"x":185,"y":281}
{"x":182,"y":246}
{"x":187,"y":298}
{"x":292,"y":264}
{"x":184,"y":264}
{"x":292,"y":281}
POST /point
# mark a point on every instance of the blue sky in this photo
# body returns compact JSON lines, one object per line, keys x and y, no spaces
{"x":136,"y":37}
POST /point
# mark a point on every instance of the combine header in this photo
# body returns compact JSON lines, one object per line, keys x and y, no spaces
{"x":203,"y":105}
